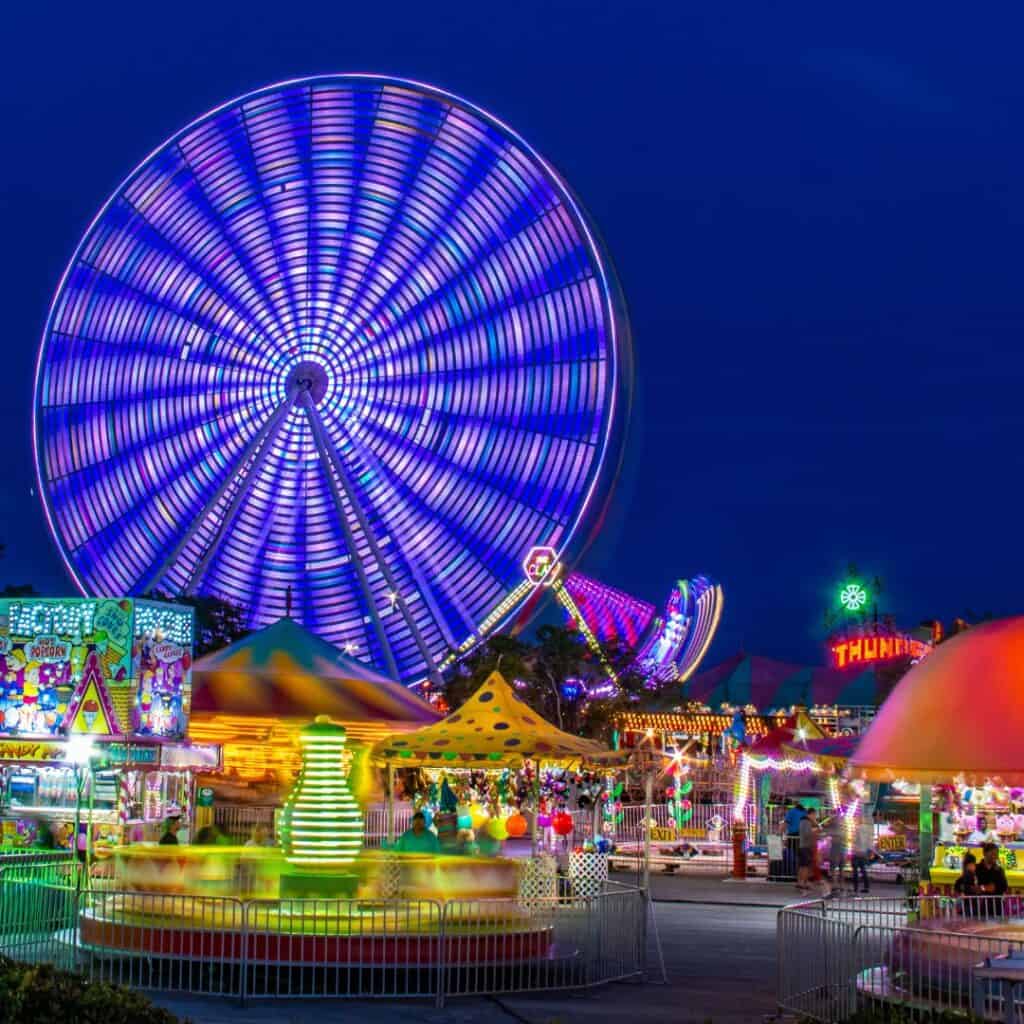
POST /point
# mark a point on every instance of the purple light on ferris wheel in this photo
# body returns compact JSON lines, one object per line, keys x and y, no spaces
{"x":348,"y":337}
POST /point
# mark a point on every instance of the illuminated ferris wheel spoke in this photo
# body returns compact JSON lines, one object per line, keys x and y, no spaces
{"x":247,"y":467}
{"x":116,"y":502}
{"x":227,"y":280}
{"x":340,"y":477}
{"x":420,"y":466}
{"x":230,"y":192}
{"x":398,"y":497}
{"x":426,"y":234}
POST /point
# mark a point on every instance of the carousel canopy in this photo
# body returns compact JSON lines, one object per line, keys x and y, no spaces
{"x":960,"y":711}
{"x":284,"y":671}
{"x":492,"y":729}
{"x":767,"y":684}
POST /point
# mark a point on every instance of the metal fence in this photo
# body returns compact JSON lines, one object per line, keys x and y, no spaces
{"x":318,"y":948}
{"x":239,"y":820}
{"x":921,"y":954}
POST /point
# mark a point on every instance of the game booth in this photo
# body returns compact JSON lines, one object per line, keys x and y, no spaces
{"x":952,"y":726}
{"x":93,"y":715}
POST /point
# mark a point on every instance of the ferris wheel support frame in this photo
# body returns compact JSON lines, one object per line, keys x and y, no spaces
{"x":340,"y":483}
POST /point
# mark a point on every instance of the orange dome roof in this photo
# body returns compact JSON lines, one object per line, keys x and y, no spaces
{"x":958,"y":712}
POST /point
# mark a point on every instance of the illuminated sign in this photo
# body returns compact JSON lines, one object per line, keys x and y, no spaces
{"x":164,"y":623}
{"x":540,"y":564}
{"x":193,"y":755}
{"x":853,"y":597}
{"x":73,"y":618}
{"x":122,"y":753}
{"x":20,"y":750}
{"x":50,"y":649}
{"x":865,"y":650}
{"x":168,"y":653}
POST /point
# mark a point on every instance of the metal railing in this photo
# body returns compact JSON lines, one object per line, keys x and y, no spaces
{"x":320,"y":948}
{"x":920,"y":953}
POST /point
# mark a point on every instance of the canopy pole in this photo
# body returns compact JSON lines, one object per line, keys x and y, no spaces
{"x":926,"y":832}
{"x":648,"y":811}
{"x":535,"y":797}
{"x":389,"y":805}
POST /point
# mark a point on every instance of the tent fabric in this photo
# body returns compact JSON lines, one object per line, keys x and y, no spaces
{"x":828,"y":751}
{"x":492,"y":729}
{"x":774,"y":743}
{"x":960,"y":711}
{"x":768,"y":684}
{"x":285,"y":671}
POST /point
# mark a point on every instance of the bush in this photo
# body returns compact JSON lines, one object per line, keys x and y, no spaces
{"x":33,"y":993}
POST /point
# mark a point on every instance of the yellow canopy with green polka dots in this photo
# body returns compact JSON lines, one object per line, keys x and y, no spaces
{"x":495,"y":728}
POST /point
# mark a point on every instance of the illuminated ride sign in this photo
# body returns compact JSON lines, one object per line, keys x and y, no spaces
{"x":853,"y":597}
{"x":540,"y":565}
{"x":866,"y":650}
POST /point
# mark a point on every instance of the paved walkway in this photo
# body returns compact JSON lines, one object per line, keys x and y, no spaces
{"x":718,"y":939}
{"x":720,"y":963}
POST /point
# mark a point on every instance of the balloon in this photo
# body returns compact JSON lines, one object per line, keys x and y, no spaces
{"x":464,"y":821}
{"x":603,"y":845}
{"x":543,"y":820}
{"x":479,"y":816}
{"x":670,"y":791}
{"x":497,"y":829}
{"x":561,"y":823}
{"x":516,"y":826}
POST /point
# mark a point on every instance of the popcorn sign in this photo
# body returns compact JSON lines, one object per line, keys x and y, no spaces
{"x":50,"y":649}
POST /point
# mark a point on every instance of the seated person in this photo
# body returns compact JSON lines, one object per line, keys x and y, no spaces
{"x":418,"y":838}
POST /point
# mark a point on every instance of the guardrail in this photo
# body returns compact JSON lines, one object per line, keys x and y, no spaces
{"x":919,"y":953}
{"x":238,"y":820}
{"x":320,"y":948}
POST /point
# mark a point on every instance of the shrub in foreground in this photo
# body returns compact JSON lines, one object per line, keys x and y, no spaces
{"x":33,"y":993}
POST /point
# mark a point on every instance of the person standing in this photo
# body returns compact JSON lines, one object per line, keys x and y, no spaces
{"x":991,"y":880}
{"x":837,"y":850}
{"x":863,"y":843}
{"x":808,"y":841}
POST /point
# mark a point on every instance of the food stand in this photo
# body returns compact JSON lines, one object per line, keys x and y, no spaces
{"x":94,"y":703}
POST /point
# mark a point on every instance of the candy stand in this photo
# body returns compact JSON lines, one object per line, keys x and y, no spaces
{"x":93,"y":714}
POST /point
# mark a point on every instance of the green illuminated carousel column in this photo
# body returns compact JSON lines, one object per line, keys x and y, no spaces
{"x":321,"y":824}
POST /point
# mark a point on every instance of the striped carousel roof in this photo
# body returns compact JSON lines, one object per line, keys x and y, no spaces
{"x":284,"y":671}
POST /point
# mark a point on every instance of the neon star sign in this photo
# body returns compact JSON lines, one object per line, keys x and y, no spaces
{"x":853,"y":597}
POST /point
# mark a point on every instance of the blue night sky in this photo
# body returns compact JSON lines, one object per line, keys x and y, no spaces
{"x":815,"y":213}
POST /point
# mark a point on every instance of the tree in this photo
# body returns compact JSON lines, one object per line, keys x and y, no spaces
{"x":15,"y":589}
{"x":498,"y":653}
{"x":219,"y":623}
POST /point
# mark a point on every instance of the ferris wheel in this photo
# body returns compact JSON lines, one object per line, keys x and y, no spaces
{"x":344,"y":348}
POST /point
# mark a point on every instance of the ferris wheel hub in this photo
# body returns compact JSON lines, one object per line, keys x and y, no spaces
{"x":311,"y":377}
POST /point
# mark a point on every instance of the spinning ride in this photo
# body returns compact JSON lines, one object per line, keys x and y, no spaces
{"x":344,"y":348}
